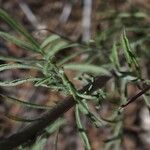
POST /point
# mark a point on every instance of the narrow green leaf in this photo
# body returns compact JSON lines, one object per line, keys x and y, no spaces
{"x":130,"y":56}
{"x":25,"y":103}
{"x":18,"y":42}
{"x":18,"y":81}
{"x":21,"y":60}
{"x":57,"y":124}
{"x":49,"y":40}
{"x":38,"y":145}
{"x":82,"y":132}
{"x":114,"y":56}
{"x":16,"y":66}
{"x":18,"y":27}
{"x":83,"y":107}
{"x":42,"y":81}
{"x":87,"y":68}
{"x":51,"y":51}
{"x":68,"y":58}
{"x":20,"y":119}
{"x":87,"y":97}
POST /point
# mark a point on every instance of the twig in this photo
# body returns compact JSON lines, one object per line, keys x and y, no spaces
{"x":86,"y":21}
{"x":132,"y":99}
{"x":30,"y":132}
{"x":66,"y":12}
{"x":29,"y":14}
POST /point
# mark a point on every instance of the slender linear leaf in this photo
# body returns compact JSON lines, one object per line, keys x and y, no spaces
{"x":18,"y":42}
{"x":57,"y":124}
{"x":16,"y":66}
{"x":51,"y":51}
{"x":21,"y":60}
{"x":87,"y":68}
{"x":49,"y":40}
{"x":130,"y":56}
{"x":114,"y":56}
{"x":25,"y":103}
{"x":96,"y":121}
{"x":39,"y":144}
{"x":81,"y":129}
{"x":18,"y":81}
{"x":71,"y":56}
{"x":21,"y":119}
{"x":18,"y":27}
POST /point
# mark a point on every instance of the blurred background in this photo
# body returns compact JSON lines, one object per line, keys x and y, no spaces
{"x":79,"y":21}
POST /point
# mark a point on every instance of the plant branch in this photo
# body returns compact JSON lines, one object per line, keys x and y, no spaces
{"x":31,"y":131}
{"x":132,"y":99}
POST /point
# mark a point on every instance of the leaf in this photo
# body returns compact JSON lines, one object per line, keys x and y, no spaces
{"x":49,"y":40}
{"x":18,"y":27}
{"x":82,"y":132}
{"x":54,"y":44}
{"x":114,"y":56}
{"x":87,"y":68}
{"x":21,"y":60}
{"x":130,"y":56}
{"x":68,"y":58}
{"x":18,"y":81}
{"x":42,"y":81}
{"x":51,"y":51}
{"x":18,"y":42}
{"x":25,"y":103}
{"x":57,"y":124}
{"x":20,"y":119}
{"x":39,"y":144}
{"x":16,"y":66}
{"x":83,"y":107}
{"x":86,"y":96}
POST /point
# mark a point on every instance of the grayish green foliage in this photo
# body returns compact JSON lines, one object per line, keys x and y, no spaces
{"x":53,"y":74}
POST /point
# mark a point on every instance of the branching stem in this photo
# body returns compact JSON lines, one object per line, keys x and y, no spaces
{"x":31,"y":131}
